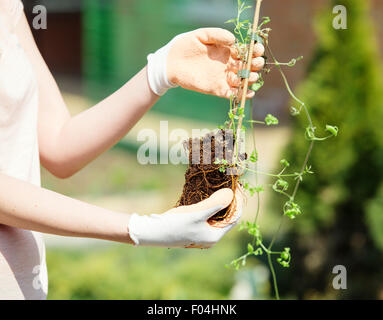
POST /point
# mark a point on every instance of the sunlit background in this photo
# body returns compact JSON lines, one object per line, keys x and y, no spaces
{"x":93,"y":47}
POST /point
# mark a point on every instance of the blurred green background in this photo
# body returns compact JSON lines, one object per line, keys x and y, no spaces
{"x":95,"y":46}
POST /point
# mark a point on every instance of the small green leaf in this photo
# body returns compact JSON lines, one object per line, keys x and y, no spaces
{"x":308,"y":170}
{"x":310,"y":133}
{"x":259,"y":189}
{"x":252,"y":191}
{"x":230,"y":21}
{"x":254,"y":156}
{"x":280,"y":185}
{"x":291,"y":209}
{"x":294,"y":111}
{"x":258,"y":252}
{"x":293,"y":62}
{"x":285,"y":163}
{"x":332,"y":129}
{"x":258,"y":85}
{"x":271,"y":120}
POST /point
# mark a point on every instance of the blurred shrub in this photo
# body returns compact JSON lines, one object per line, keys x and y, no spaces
{"x":343,"y":210}
{"x":124,"y":272}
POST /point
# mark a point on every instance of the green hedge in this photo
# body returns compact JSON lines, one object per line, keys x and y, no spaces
{"x":125,"y":272}
{"x":342,"y":204}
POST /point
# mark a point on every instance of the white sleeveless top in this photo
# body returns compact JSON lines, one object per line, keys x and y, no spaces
{"x":23,"y":272}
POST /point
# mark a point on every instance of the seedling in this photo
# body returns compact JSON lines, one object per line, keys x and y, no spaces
{"x":217,"y":161}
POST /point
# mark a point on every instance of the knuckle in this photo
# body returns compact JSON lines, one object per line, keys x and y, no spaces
{"x":258,"y":62}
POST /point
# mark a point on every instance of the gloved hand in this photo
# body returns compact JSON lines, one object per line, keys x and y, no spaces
{"x":187,"y":226}
{"x":204,"y":60}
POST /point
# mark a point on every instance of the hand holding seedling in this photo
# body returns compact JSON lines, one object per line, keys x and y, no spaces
{"x":204,"y":60}
{"x":186,"y":226}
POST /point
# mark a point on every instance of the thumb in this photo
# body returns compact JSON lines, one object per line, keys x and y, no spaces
{"x":215,"y":36}
{"x":218,"y":201}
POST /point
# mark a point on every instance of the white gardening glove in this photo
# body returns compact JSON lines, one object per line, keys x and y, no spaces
{"x":203,"y":60}
{"x":187,"y":226}
{"x":157,"y":69}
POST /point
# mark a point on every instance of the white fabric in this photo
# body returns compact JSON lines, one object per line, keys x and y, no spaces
{"x":177,"y":229}
{"x":157,"y":69}
{"x":23,"y":272}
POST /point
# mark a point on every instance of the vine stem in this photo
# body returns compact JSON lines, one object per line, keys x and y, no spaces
{"x":248,"y":65}
{"x":240,"y":105}
{"x":307,"y":157}
{"x":303,"y":105}
{"x":274,"y":276}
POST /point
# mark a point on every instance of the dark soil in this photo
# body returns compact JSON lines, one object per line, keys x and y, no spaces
{"x":203,"y":177}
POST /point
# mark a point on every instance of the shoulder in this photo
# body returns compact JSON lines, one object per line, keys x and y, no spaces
{"x":13,"y":10}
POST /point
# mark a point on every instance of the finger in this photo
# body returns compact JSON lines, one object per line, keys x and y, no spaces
{"x":254,"y":77}
{"x":237,"y":206}
{"x":233,"y":91}
{"x":233,"y":80}
{"x":234,"y":214}
{"x":250,"y":94}
{"x":235,"y":65}
{"x":257,"y":64}
{"x":215,"y":36}
{"x":259,"y":50}
{"x":234,"y":53}
{"x":218,"y":201}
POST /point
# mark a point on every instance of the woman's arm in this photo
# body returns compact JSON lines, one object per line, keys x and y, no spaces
{"x":37,"y":209}
{"x":25,"y":206}
{"x":68,"y":144}
{"x":203,"y":60}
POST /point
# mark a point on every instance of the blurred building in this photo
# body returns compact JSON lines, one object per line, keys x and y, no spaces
{"x":106,"y":42}
{"x":62,"y":43}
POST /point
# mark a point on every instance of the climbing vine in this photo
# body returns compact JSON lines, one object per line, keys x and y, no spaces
{"x":284,"y":182}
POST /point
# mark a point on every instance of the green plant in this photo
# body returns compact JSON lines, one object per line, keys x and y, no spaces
{"x":247,"y":35}
{"x":119,"y":272}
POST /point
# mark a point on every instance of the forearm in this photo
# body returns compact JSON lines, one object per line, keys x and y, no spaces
{"x":25,"y":206}
{"x":90,"y":133}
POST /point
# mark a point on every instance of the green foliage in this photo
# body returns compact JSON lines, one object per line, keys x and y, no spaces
{"x":291,"y":210}
{"x":242,"y":27}
{"x":258,"y":85}
{"x":285,"y":258}
{"x":271,"y":120}
{"x":347,"y":92}
{"x":344,"y":86}
{"x":122,"y":272}
{"x":374,"y":217}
